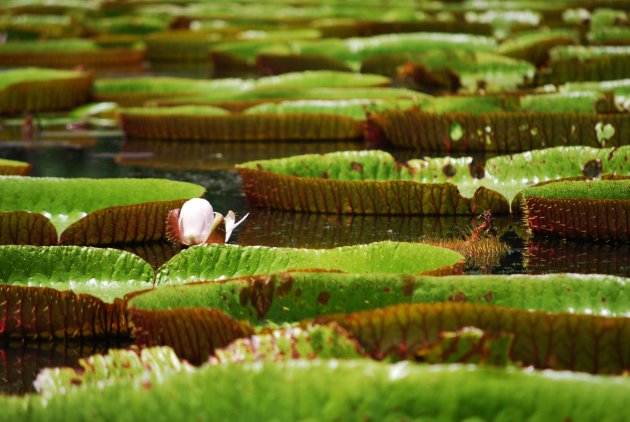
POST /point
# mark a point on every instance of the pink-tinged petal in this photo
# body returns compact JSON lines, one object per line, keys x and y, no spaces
{"x":215,"y":236}
{"x":230,"y":224}
{"x":173,"y":234}
{"x":196,"y":221}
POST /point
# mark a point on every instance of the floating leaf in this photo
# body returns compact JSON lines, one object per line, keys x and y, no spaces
{"x":309,"y":342}
{"x":136,"y":91}
{"x":495,"y":132}
{"x":206,"y":125}
{"x":67,"y":292}
{"x":562,"y":341}
{"x":67,"y":53}
{"x":371,"y":182}
{"x":587,"y":63}
{"x":89,"y":211}
{"x":337,"y":390}
{"x":534,"y":45}
{"x":468,"y":345}
{"x":194,"y":334}
{"x":14,"y":168}
{"x":211,"y":262}
{"x":111,"y":368}
{"x":176,"y":315}
{"x":32,"y":89}
{"x":449,"y":66}
{"x":597,"y":209}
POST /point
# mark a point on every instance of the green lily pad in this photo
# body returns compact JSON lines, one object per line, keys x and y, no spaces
{"x":91,"y":211}
{"x":66,"y":291}
{"x":333,"y":390}
{"x":207,"y":123}
{"x":353,"y":51}
{"x":136,"y":91}
{"x":14,"y":167}
{"x":535,"y":46}
{"x":587,"y":63}
{"x":494,"y":131}
{"x":213,"y":262}
{"x":33,"y":89}
{"x":495,"y":72}
{"x":172,"y":315}
{"x":597,"y":209}
{"x":562,"y":341}
{"x":357,"y":109}
{"x":371,"y":182}
{"x":66,"y":53}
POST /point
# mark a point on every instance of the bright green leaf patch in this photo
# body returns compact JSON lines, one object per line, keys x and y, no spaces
{"x":596,"y":189}
{"x":30,"y":74}
{"x":65,"y":201}
{"x":104,"y":273}
{"x":507,"y":175}
{"x":335,"y":390}
{"x":176,"y":111}
{"x":213,"y":262}
{"x":293,"y":297}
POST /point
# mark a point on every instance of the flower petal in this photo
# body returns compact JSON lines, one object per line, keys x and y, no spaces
{"x":215,"y":236}
{"x":196,"y":221}
{"x":230,"y":224}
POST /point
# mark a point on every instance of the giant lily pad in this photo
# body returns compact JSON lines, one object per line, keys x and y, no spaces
{"x":597,"y":209}
{"x":135,"y":91}
{"x":175,"y":315}
{"x":587,"y":63}
{"x":534,"y":46}
{"x":444,"y":70}
{"x":31,"y":89}
{"x":332,"y":390}
{"x":68,"y":53}
{"x":371,"y":182}
{"x":14,"y":168}
{"x":227,"y":261}
{"x":207,"y":123}
{"x":66,"y":291}
{"x":88,"y":211}
{"x":563,"y":341}
{"x":495,"y":131}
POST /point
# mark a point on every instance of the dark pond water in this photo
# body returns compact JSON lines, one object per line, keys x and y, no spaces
{"x":63,"y":153}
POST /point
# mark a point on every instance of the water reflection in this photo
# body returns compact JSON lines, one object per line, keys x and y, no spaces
{"x":555,"y":255}
{"x":216,"y":155}
{"x":20,"y":363}
{"x":281,"y":228}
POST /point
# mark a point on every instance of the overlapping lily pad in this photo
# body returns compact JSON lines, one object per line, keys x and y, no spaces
{"x":598,"y":209}
{"x":325,"y":388}
{"x":67,"y":292}
{"x":136,"y":91}
{"x":87,"y":211}
{"x":182,"y":316}
{"x":496,"y":130}
{"x":67,"y":53}
{"x":212,"y":262}
{"x":32,"y":89}
{"x":371,"y":182}
{"x":14,"y":167}
{"x":587,"y":63}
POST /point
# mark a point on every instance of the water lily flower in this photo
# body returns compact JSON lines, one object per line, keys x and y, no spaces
{"x":196,"y":223}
